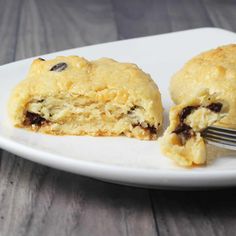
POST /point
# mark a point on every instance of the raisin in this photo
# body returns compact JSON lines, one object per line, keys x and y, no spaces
{"x":185,"y":130}
{"x":59,"y":67}
{"x":215,"y":107}
{"x":136,"y":124}
{"x":34,"y":119}
{"x":186,"y":111}
{"x":152,"y":129}
{"x":132,"y":109}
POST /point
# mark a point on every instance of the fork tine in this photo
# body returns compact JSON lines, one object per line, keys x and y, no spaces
{"x":222,"y":144}
{"x":219,"y":139}
{"x":217,"y":134}
{"x":222,"y":137}
{"x":222,"y":130}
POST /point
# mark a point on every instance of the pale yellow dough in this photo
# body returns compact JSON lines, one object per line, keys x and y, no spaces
{"x":211,"y":74}
{"x":101,"y":97}
{"x":191,"y":151}
{"x":214,"y":70}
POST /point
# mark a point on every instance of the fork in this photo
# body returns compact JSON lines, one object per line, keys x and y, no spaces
{"x":221,"y":137}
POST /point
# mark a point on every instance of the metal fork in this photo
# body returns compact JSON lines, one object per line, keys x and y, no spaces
{"x":221,"y":137}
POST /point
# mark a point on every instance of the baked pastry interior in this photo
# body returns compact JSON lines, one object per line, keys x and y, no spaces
{"x":182,"y":141}
{"x":73,"y":96}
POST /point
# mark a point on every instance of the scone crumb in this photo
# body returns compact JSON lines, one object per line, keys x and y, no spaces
{"x":182,"y":141}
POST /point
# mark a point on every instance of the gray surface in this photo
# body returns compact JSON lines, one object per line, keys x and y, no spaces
{"x":37,"y":200}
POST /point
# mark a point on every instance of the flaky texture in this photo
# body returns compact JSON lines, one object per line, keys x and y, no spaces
{"x":214,"y":70}
{"x":70,"y":95}
{"x":182,"y":141}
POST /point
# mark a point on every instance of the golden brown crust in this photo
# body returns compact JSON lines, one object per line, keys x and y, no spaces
{"x":214,"y":70}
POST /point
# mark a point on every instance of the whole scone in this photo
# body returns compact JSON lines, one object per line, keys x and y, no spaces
{"x":73,"y":96}
{"x":214,"y":70}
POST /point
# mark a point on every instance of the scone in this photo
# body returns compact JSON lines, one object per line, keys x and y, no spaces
{"x":73,"y":96}
{"x":182,"y":141}
{"x":214,"y":70}
{"x":205,"y":90}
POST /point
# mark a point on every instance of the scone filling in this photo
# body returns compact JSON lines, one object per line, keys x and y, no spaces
{"x":88,"y":115}
{"x":34,"y":119}
{"x":185,"y":130}
{"x":183,"y":141}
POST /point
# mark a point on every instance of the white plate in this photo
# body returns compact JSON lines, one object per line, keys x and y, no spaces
{"x":120,"y":159}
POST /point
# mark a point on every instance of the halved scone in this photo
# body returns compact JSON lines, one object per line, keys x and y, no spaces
{"x":72,"y":96}
{"x":182,"y":141}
